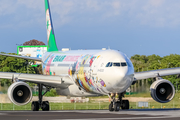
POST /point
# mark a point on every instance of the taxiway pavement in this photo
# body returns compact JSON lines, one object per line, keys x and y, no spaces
{"x":136,"y":114}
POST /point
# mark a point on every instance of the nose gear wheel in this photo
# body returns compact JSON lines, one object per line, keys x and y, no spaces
{"x":117,"y":103}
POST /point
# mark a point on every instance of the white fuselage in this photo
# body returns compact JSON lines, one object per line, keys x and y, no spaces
{"x":94,"y":72}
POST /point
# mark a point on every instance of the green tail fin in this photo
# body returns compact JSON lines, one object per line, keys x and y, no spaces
{"x":50,"y":32}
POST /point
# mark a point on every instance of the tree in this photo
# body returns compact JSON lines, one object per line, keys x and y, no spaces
{"x":16,"y":65}
{"x":154,"y":62}
{"x":33,"y":42}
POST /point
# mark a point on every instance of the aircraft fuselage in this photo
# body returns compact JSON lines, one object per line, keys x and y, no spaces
{"x":94,"y":72}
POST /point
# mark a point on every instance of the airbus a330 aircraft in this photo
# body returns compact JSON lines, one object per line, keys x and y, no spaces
{"x":85,"y":73}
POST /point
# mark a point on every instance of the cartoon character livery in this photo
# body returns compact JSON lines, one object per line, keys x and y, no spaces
{"x":84,"y":73}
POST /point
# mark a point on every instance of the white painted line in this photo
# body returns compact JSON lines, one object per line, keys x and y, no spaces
{"x":3,"y":114}
{"x":126,"y":118}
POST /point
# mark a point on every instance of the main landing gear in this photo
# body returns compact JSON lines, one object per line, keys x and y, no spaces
{"x":44,"y":105}
{"x":117,"y":103}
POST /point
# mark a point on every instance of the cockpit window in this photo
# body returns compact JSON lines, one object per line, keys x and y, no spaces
{"x":110,"y":64}
{"x":107,"y":64}
{"x":117,"y":64}
{"x":123,"y":64}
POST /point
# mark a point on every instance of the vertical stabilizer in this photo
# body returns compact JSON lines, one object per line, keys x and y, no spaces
{"x":50,"y":32}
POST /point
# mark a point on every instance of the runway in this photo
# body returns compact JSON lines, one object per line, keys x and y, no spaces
{"x":139,"y":114}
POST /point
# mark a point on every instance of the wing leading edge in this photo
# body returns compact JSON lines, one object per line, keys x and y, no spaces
{"x":47,"y":80}
{"x":23,"y":57}
{"x":156,"y":73}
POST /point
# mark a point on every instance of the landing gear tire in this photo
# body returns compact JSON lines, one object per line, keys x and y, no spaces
{"x":45,"y":106}
{"x":125,"y":105}
{"x":111,"y":107}
{"x":35,"y":106}
{"x":116,"y":106}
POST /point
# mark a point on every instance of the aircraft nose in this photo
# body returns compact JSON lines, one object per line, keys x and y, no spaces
{"x":122,"y":72}
{"x":123,"y":79}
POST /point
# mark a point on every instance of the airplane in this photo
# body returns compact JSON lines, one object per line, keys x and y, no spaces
{"x":83,"y":73}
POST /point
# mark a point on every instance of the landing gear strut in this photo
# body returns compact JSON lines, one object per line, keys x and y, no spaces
{"x":44,"y":105}
{"x":116,"y":104}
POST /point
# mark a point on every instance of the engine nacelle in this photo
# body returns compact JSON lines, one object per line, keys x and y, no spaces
{"x":162,"y":91}
{"x":20,"y":93}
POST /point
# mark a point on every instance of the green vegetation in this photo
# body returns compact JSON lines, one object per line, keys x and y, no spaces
{"x":143,"y":94}
{"x":140,"y":62}
{"x":154,"y":62}
{"x":91,"y":105}
{"x":17,"y":65}
{"x":51,"y":93}
{"x":95,"y":104}
{"x":11,"y":64}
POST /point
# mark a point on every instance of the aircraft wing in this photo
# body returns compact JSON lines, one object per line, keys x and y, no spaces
{"x":23,"y":57}
{"x":156,"y":73}
{"x":53,"y":81}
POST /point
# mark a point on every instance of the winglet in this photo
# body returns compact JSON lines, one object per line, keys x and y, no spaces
{"x":50,"y":31}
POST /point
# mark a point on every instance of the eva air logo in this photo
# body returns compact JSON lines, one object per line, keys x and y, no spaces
{"x":48,"y":23}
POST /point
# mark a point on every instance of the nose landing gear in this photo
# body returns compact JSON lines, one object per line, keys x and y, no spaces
{"x":116,"y":104}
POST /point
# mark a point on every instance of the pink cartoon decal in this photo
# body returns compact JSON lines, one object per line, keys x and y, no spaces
{"x":91,"y":82}
{"x":77,"y":65}
{"x":91,"y":61}
{"x":71,"y":58}
{"x":48,"y":71}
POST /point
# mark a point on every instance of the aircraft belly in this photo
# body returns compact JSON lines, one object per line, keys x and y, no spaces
{"x":74,"y":91}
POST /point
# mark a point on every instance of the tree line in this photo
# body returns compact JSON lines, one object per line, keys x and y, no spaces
{"x":140,"y":62}
{"x":155,"y":62}
{"x":17,"y":65}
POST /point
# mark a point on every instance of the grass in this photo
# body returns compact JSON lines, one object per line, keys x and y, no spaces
{"x":58,"y":106}
{"x":93,"y":104}
{"x":88,"y":106}
{"x":145,"y":94}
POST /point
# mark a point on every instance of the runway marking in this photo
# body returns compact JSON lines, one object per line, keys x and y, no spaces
{"x":130,"y":118}
{"x":3,"y":114}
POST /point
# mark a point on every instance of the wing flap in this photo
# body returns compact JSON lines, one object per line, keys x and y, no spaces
{"x":53,"y":81}
{"x":156,"y":73}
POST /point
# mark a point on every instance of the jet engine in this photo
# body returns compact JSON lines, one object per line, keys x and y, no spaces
{"x":162,"y":91}
{"x":20,"y":93}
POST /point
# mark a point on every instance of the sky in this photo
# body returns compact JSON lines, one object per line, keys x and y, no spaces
{"x":143,"y":27}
